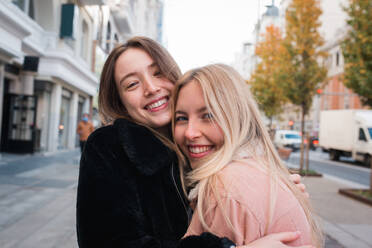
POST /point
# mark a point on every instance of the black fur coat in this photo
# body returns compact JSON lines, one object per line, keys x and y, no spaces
{"x":129,"y":193}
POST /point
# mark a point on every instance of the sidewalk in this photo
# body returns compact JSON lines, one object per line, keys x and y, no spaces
{"x":38,"y":199}
{"x":343,"y":219}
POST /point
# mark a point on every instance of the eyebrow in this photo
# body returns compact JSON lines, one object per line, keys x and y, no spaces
{"x":202,"y":109}
{"x":126,"y":76}
{"x":134,"y":73}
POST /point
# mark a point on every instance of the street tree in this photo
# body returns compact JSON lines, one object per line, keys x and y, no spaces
{"x":303,"y":70}
{"x":357,"y":49}
{"x":357,"y":52}
{"x":265,"y":80}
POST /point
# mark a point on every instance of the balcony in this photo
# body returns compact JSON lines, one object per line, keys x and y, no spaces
{"x":13,"y":29}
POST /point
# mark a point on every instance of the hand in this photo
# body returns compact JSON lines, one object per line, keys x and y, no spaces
{"x":276,"y":240}
{"x":296,"y":179}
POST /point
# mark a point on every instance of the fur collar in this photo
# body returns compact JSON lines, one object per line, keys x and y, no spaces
{"x":145,"y":151}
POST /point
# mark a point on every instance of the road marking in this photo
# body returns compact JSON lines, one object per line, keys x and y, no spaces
{"x":340,"y":163}
{"x":348,"y":183}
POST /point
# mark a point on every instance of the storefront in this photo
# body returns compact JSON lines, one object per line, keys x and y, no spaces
{"x":18,"y":114}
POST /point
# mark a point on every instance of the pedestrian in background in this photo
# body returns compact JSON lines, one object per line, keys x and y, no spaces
{"x":84,"y":129}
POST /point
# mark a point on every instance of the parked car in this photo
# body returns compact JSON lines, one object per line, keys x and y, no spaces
{"x":314,"y":143}
{"x":287,"y":138}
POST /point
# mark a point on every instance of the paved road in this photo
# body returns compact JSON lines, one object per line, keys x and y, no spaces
{"x":37,"y":200}
{"x":346,"y":169}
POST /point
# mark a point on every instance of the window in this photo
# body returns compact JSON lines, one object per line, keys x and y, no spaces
{"x":116,"y":39}
{"x":337,"y":59}
{"x":362,"y":135}
{"x":108,"y":37}
{"x":347,"y":100}
{"x":20,"y":3}
{"x":292,"y":136}
{"x":370,"y":132}
{"x":27,"y":6}
{"x":84,"y":42}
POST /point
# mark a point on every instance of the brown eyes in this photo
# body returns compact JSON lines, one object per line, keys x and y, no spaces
{"x":158,"y":74}
{"x":132,"y":84}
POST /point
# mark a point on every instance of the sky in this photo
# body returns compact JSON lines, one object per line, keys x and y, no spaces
{"x":199,"y":32}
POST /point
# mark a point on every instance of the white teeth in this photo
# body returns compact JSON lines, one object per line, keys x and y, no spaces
{"x":199,"y":149}
{"x":157,"y":104}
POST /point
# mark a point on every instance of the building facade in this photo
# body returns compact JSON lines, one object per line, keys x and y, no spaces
{"x":334,"y":95}
{"x":51,"y":54}
{"x":245,"y":61}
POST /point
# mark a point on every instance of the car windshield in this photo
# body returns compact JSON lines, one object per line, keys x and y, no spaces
{"x":292,"y":136}
{"x":370,"y":132}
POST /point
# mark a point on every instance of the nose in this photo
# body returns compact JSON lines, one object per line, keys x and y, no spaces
{"x":192,"y":131}
{"x":150,"y":87}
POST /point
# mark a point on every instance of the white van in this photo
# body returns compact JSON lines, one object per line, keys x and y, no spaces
{"x":347,"y":133}
{"x":287,"y":138}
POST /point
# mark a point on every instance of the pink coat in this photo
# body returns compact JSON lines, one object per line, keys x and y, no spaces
{"x":245,"y":196}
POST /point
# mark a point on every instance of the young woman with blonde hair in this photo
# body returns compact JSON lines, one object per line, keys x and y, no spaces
{"x":240,"y":187}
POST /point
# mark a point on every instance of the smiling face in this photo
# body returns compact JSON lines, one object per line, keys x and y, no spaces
{"x":195,"y":132}
{"x":142,"y":88}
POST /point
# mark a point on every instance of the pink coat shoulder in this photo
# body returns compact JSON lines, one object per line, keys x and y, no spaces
{"x":244,"y":191}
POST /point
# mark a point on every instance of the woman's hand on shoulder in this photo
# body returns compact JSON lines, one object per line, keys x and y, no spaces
{"x":276,"y":240}
{"x":296,"y":179}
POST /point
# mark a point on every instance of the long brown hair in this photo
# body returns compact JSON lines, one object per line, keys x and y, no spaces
{"x":109,"y":102}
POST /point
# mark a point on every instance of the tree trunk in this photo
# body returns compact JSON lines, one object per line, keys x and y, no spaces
{"x":307,"y":151}
{"x":302,"y":138}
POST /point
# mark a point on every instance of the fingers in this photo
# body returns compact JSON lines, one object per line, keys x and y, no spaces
{"x":301,"y":187}
{"x":306,"y":195}
{"x":275,"y":240}
{"x":295,"y":178}
{"x":285,"y":236}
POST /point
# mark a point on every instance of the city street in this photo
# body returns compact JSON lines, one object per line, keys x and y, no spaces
{"x":38,"y":198}
{"x":346,"y":168}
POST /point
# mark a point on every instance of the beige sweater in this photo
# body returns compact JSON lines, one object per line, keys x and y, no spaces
{"x":244,"y":191}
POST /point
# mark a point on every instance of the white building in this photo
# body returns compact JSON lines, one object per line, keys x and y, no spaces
{"x":243,"y":62}
{"x":246,"y":61}
{"x":49,"y":52}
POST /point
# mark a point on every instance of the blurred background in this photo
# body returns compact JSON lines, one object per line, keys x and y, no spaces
{"x":308,"y":63}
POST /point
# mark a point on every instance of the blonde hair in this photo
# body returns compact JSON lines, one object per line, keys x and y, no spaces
{"x":233,"y":108}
